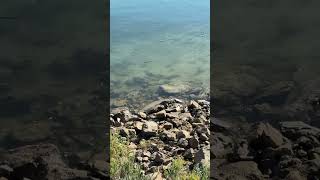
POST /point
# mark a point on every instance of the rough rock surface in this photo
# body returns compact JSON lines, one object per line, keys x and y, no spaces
{"x":265,"y":152}
{"x":45,"y":161}
{"x":166,"y":129}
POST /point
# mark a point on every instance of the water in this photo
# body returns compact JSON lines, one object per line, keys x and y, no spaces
{"x":157,"y":42}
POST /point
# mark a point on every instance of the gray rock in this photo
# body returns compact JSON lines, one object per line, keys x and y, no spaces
{"x":172,"y":89}
{"x":183,"y":134}
{"x":193,"y":142}
{"x":265,"y":135}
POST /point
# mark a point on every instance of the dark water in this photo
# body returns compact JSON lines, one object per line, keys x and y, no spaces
{"x":51,"y":67}
{"x":155,"y":43}
{"x":266,"y":53}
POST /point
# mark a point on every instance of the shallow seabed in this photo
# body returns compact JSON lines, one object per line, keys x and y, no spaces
{"x":155,"y":43}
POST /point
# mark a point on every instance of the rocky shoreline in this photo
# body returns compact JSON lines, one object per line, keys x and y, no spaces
{"x":266,"y":121}
{"x":45,"y":161}
{"x":164,"y":130}
{"x":290,"y":152}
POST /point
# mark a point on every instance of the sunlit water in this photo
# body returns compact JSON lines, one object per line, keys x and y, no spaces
{"x":157,"y":42}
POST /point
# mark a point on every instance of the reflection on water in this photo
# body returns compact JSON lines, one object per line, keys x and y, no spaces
{"x":155,"y":43}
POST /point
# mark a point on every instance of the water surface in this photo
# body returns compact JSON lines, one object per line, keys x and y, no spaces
{"x":157,"y":42}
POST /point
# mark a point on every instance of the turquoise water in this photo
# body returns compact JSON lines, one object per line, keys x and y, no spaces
{"x":158,"y":42}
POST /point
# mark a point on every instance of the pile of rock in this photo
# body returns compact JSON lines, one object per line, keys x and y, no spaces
{"x":45,"y":161}
{"x":164,"y":130}
{"x":290,"y":152}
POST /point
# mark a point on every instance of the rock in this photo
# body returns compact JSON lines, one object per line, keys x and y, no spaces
{"x":194,"y":105}
{"x":156,"y":176}
{"x":5,"y":170}
{"x":219,"y":125}
{"x":241,"y":170}
{"x":296,"y":129}
{"x":149,"y":129}
{"x":156,"y":106}
{"x":146,"y":154}
{"x":266,"y":136}
{"x":42,"y":161}
{"x":183,"y":142}
{"x":202,"y":156}
{"x":124,"y":132}
{"x":193,"y":142}
{"x":189,"y":154}
{"x":161,"y":114}
{"x":168,"y":126}
{"x":138,"y":125}
{"x":142,"y":115}
{"x":203,"y":102}
{"x":159,"y":158}
{"x":132,"y":146}
{"x":294,"y":175}
{"x":183,"y":134}
{"x":123,"y":114}
{"x":276,"y":93}
{"x":173,"y":115}
{"x":221,"y":145}
{"x":172,"y":89}
{"x":168,"y":136}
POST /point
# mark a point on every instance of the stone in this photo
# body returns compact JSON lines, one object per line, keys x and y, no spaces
{"x":183,"y":142}
{"x":167,"y":125}
{"x":142,"y":115}
{"x":146,"y":154}
{"x":194,"y":105}
{"x":294,"y":175}
{"x":266,"y":136}
{"x":168,"y":136}
{"x":138,"y":125}
{"x":242,"y":170}
{"x":193,"y":142}
{"x":149,"y":129}
{"x":189,"y":154}
{"x":183,"y":134}
{"x":5,"y":170}
{"x":161,"y":114}
{"x":123,"y":114}
{"x":295,"y":129}
{"x":202,"y":156}
{"x":159,"y":158}
{"x":124,"y":132}
{"x":172,"y":89}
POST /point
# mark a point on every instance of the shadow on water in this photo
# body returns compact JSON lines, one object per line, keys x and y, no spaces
{"x":52,"y":75}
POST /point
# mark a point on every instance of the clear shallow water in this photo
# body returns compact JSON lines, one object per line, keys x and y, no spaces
{"x":157,"y":42}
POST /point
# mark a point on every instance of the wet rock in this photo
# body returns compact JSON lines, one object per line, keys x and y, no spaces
{"x":173,"y":89}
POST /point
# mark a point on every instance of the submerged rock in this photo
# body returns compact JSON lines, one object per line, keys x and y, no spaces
{"x":173,"y":89}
